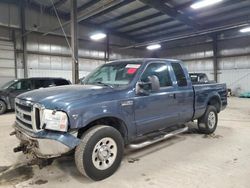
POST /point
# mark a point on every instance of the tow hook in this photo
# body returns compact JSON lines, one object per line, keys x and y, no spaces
{"x":13,"y":133}
{"x":20,"y":148}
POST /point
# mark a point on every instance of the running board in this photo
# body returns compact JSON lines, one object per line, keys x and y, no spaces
{"x":166,"y":136}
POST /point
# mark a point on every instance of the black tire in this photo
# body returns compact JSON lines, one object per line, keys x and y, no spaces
{"x":88,"y":158}
{"x":206,"y":124}
{"x":3,"y":107}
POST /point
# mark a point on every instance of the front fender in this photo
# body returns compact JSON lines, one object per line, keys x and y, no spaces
{"x":111,"y":109}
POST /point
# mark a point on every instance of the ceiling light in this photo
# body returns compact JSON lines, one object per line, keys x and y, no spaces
{"x":245,"y":30}
{"x":98,"y":36}
{"x":204,"y":3}
{"x":154,"y":47}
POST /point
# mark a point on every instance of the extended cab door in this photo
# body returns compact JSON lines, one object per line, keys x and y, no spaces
{"x":157,"y":110}
{"x":184,"y":94}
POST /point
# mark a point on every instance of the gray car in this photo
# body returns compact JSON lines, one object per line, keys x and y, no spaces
{"x":13,"y":88}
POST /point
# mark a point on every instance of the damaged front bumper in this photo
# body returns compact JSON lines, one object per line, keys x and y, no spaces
{"x":45,"y":144}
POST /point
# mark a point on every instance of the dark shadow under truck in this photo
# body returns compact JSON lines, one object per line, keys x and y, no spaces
{"x":119,"y":105}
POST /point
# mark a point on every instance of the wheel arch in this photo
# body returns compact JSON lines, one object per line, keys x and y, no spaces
{"x":112,"y":121}
{"x":215,"y":101}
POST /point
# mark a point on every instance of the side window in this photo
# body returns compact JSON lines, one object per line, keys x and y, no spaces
{"x":161,"y":71}
{"x":37,"y":84}
{"x":61,"y":82}
{"x":43,"y":83}
{"x":179,"y":74}
{"x":22,"y":85}
{"x":47,"y":83}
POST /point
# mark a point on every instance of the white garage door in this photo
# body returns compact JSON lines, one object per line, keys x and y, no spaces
{"x":7,"y":61}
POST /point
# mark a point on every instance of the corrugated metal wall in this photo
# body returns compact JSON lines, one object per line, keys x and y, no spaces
{"x":196,"y":58}
{"x":234,"y":61}
{"x":7,"y":61}
{"x":50,"y":55}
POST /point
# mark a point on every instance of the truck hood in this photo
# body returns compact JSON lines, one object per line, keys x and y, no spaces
{"x":63,"y":96}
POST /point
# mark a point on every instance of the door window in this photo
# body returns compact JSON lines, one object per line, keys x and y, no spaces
{"x":179,"y":74}
{"x":22,"y":85}
{"x":161,"y":71}
{"x":43,"y":83}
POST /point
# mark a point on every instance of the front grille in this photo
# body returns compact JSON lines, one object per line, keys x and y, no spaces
{"x":27,"y":125}
{"x":27,"y":115}
{"x":25,"y":108}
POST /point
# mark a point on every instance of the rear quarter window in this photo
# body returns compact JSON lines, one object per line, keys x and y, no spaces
{"x":179,"y":74}
{"x":61,"y":82}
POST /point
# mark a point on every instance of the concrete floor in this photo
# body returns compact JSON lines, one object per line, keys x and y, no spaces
{"x":188,"y":160}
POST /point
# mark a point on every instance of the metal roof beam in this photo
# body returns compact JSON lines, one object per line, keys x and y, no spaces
{"x":168,"y":32}
{"x":110,"y":9}
{"x":150,"y":25}
{"x":87,"y":24}
{"x":46,"y":10}
{"x":139,"y":20}
{"x":223,"y":4}
{"x":130,"y":13}
{"x":155,"y":31}
{"x":58,"y":4}
{"x":87,"y":5}
{"x":184,"y":35}
{"x":161,"y":6}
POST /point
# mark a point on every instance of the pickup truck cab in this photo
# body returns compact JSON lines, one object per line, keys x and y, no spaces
{"x":126,"y":103}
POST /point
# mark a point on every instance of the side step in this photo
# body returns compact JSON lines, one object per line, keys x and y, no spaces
{"x":166,"y":136}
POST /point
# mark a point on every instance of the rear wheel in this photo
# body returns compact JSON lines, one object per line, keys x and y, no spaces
{"x":100,"y":152}
{"x":208,"y":122}
{"x":2,"y":107}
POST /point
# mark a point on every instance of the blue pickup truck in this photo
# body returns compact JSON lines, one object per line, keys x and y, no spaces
{"x":125,"y":103}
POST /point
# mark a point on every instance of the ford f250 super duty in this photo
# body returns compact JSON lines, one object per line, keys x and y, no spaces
{"x":126,"y":103}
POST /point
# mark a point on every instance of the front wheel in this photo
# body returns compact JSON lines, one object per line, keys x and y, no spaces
{"x":208,"y":122}
{"x":3,"y":107}
{"x":100,"y":152}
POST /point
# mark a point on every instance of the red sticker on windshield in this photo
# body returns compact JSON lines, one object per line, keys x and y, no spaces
{"x":131,"y":70}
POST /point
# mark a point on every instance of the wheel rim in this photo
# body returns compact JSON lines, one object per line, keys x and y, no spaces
{"x":211,"y":120}
{"x":104,"y":153}
{"x":1,"y":107}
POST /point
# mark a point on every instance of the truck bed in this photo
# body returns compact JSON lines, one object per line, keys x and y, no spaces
{"x":202,"y":93}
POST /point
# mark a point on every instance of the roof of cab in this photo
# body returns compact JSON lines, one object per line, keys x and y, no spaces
{"x":145,"y":60}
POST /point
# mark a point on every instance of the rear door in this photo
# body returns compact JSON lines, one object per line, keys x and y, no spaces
{"x":184,"y":93}
{"x":156,"y":110}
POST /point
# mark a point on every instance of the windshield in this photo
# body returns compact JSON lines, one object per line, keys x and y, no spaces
{"x":114,"y":74}
{"x":8,"y":84}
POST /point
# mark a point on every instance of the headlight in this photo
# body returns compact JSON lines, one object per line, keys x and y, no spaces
{"x":55,"y":120}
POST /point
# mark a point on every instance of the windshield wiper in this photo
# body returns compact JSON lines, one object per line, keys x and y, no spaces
{"x":101,"y":83}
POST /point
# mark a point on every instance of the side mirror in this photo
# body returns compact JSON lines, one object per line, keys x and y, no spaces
{"x":145,"y":88}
